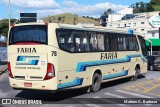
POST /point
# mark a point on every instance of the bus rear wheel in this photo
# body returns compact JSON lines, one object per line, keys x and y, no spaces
{"x":135,"y":76}
{"x":96,"y":82}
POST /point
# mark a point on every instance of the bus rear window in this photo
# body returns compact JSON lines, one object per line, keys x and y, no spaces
{"x":29,"y":33}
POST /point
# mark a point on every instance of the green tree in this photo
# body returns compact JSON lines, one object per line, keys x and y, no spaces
{"x":109,"y":11}
{"x":139,"y":7}
{"x":155,"y":5}
{"x":4,"y":26}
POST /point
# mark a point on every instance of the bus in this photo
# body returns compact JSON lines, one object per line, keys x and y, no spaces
{"x":53,"y":56}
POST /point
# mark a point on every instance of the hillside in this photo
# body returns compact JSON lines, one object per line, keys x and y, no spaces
{"x":70,"y":19}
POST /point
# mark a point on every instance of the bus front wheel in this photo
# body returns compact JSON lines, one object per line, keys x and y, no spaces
{"x":96,"y":82}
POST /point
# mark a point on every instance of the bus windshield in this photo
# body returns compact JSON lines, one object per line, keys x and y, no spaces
{"x":28,"y":33}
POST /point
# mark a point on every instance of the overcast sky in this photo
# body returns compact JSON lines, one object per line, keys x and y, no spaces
{"x":52,"y":7}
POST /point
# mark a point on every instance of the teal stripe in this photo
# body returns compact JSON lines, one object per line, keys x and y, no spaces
{"x":81,"y":66}
{"x":119,"y":74}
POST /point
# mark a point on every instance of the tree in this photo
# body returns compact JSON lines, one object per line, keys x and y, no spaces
{"x":4,"y":27}
{"x":155,"y":5}
{"x":139,"y":7}
{"x":59,"y":19}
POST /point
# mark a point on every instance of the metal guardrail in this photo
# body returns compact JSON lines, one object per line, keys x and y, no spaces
{"x":3,"y":56}
{"x":154,"y":53}
{"x":3,"y":69}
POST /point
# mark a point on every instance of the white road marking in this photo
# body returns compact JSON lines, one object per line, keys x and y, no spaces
{"x":109,"y":101}
{"x":114,"y":95}
{"x":89,"y":105}
{"x":134,"y":94}
{"x":69,"y":106}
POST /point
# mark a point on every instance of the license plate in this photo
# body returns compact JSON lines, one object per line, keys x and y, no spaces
{"x":28,"y":84}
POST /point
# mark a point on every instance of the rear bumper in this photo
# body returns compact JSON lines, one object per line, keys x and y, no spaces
{"x":50,"y":85}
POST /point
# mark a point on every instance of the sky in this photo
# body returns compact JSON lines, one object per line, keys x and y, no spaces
{"x":45,"y":8}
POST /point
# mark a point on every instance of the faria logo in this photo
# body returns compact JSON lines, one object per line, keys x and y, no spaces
{"x":26,"y":50}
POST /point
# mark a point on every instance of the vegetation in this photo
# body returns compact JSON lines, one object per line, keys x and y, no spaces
{"x":153,"y":5}
{"x":69,"y":18}
{"x":4,"y":26}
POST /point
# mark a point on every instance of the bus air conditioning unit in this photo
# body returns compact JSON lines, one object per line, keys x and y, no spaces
{"x":28,"y":17}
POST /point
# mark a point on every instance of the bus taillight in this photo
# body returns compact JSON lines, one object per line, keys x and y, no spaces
{"x":9,"y":70}
{"x":50,"y":72}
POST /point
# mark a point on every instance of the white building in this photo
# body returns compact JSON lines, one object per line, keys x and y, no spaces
{"x":138,"y":24}
{"x":125,"y":11}
{"x":121,"y":13}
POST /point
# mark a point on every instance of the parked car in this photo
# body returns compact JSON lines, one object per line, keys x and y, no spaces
{"x":153,"y":62}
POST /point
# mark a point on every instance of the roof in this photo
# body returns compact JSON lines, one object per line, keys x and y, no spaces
{"x":82,"y":27}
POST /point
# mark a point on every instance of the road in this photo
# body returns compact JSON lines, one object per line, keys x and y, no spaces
{"x":144,"y":87}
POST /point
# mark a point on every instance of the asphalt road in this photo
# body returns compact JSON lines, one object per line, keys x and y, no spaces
{"x":144,"y":87}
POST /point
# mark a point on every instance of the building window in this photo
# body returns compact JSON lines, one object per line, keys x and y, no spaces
{"x":134,"y":24}
{"x":153,"y":34}
{"x":142,"y":22}
{"x":118,"y":25}
{"x":142,"y":29}
{"x":129,"y":24}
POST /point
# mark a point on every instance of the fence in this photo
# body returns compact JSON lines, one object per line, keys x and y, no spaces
{"x":154,"y":53}
{"x":3,"y":56}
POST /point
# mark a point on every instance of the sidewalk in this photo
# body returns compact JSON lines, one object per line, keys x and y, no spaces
{"x":3,"y":68}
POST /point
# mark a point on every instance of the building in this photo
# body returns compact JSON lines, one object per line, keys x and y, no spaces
{"x":115,"y":16}
{"x":119,"y":15}
{"x":138,"y":23}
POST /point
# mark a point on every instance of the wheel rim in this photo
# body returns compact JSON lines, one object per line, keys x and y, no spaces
{"x":96,"y":82}
{"x":151,"y":67}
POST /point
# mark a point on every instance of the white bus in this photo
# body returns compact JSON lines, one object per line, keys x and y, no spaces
{"x":51,"y":56}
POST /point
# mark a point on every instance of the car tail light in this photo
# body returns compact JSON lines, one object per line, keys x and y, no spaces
{"x":9,"y":70}
{"x":50,"y":72}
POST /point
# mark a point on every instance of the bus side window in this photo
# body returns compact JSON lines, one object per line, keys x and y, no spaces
{"x":143,"y":45}
{"x":135,"y":43}
{"x":93,"y":42}
{"x":114,"y":39}
{"x":70,"y":42}
{"x":66,"y":40}
{"x":107,"y":42}
{"x":100,"y":38}
{"x":82,"y":41}
{"x":131,"y":47}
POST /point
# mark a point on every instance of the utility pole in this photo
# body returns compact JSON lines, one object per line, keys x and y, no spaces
{"x":9,"y":13}
{"x":159,"y":27}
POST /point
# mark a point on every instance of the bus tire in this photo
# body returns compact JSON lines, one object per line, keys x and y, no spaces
{"x":135,"y":76}
{"x":96,"y":82}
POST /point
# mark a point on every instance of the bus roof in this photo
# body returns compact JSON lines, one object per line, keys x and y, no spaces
{"x":82,"y":27}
